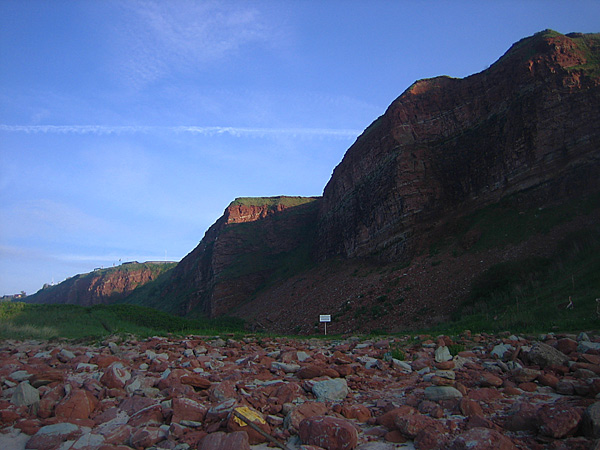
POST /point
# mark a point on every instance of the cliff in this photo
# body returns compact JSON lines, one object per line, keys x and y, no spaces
{"x":448,"y":146}
{"x":254,"y":241}
{"x":101,"y":286}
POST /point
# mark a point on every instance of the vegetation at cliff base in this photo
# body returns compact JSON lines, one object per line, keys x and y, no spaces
{"x":29,"y":321}
{"x":538,"y":294}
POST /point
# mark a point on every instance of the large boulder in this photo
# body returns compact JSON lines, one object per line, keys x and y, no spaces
{"x":558,"y":421}
{"x":328,"y":432}
{"x":79,"y":404}
{"x":330,"y":390}
{"x":237,"y":440}
{"x":25,"y":395}
{"x":543,"y":355}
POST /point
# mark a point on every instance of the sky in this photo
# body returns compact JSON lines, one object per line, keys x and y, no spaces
{"x":127,"y":127}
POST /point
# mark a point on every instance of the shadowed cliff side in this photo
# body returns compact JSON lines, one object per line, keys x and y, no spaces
{"x":448,"y":146}
{"x":102,"y":286}
{"x":256,"y":240}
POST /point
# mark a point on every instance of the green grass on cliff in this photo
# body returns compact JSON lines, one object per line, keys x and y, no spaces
{"x":532,"y":294}
{"x":26,"y":321}
{"x":48,"y":292}
{"x":272,"y":202}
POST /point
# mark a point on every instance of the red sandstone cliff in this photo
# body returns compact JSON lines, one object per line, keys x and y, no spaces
{"x":254,"y":239}
{"x":102,"y":286}
{"x":448,"y":146}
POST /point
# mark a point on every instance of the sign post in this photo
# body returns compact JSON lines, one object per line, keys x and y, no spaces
{"x":324,"y":318}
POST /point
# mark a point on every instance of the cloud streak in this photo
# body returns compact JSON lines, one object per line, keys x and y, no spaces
{"x":239,"y":132}
{"x":156,"y":39}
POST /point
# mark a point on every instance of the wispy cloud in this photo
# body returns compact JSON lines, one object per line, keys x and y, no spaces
{"x":43,"y":217}
{"x":251,"y":132}
{"x":155,"y":38}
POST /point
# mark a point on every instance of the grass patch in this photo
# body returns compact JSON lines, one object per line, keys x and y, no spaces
{"x":27,"y":321}
{"x":531,"y":295}
{"x":272,"y":202}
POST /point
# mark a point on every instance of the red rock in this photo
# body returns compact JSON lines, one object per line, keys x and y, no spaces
{"x":219,"y":392}
{"x":487,"y":379}
{"x":522,"y":417}
{"x":410,"y":425}
{"x":470,"y":408}
{"x":420,"y":363}
{"x":482,"y":439}
{"x":150,"y":415}
{"x":135,"y":403}
{"x":395,"y":436}
{"x":358,"y":412}
{"x":48,"y":376}
{"x":512,"y":391}
{"x":193,"y":438}
{"x":567,"y":346}
{"x":589,"y":358}
{"x":341,"y":358}
{"x":525,"y":375}
{"x":388,"y":419}
{"x":528,"y":387}
{"x":115,"y":376}
{"x":117,"y":434}
{"x":79,"y":404}
{"x":485,"y":394}
{"x":225,"y":441}
{"x":309,"y":372}
{"x":558,"y":421}
{"x":547,"y":379}
{"x":328,"y":432}
{"x":288,"y":392}
{"x":445,"y":365}
{"x":52,"y":436}
{"x":8,"y":416}
{"x":330,"y":372}
{"x":587,"y":366}
{"x":304,"y":411}
{"x":432,"y":437}
{"x":345,"y":370}
{"x":49,"y":402}
{"x":103,"y":361}
{"x":187,"y":409}
{"x":146,"y":437}
{"x":196,"y":381}
{"x":29,"y":426}
{"x":481,"y":422}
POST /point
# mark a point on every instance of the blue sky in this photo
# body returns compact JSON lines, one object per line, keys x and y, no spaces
{"x":127,"y":127}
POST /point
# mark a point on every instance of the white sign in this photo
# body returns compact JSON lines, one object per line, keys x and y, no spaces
{"x":325,"y":318}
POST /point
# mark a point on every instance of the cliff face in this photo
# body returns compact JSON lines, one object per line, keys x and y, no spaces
{"x":101,"y":286}
{"x":255,"y":240}
{"x":448,"y":146}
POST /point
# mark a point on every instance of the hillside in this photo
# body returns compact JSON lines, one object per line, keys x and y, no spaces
{"x":102,"y":286}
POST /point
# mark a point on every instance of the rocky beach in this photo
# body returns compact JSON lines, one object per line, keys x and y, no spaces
{"x":473,"y":391}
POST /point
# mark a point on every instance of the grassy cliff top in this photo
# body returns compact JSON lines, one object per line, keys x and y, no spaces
{"x":272,"y":201}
